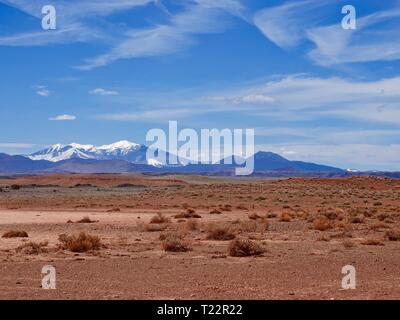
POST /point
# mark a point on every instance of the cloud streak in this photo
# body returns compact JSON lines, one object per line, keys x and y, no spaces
{"x":63,"y":117}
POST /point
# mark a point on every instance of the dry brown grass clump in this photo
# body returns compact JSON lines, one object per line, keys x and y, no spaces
{"x":15,"y":234}
{"x":322,"y":224}
{"x":285,"y":217}
{"x":150,"y":227}
{"x":244,"y":248}
{"x":159,"y":218}
{"x":192,"y":225}
{"x":173,"y":243}
{"x":254,"y":216}
{"x":86,"y":220}
{"x":33,"y":247}
{"x":81,"y":242}
{"x":348,"y":244}
{"x":188,"y":214}
{"x":215,"y":211}
{"x":372,"y":242}
{"x":222,"y":233}
{"x":393,"y":235}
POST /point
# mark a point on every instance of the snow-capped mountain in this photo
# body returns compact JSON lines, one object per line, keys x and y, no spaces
{"x":121,"y":150}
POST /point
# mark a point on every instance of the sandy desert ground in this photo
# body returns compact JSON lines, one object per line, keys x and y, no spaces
{"x":191,"y":237}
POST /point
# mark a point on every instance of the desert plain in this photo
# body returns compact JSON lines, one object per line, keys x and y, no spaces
{"x":131,"y":236}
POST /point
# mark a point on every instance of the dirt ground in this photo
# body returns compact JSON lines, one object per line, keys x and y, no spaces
{"x":177,"y":237}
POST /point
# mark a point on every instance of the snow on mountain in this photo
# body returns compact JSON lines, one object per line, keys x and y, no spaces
{"x":121,"y":150}
{"x":154,"y":163}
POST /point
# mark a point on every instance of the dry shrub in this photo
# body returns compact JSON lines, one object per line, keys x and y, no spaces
{"x":323,"y":238}
{"x":322,"y":224}
{"x":357,"y":219}
{"x":226,"y":207}
{"x":378,"y":226}
{"x":192,"y":225}
{"x":285,"y":217}
{"x":159,"y":218}
{"x":392,"y":235}
{"x":215,"y":232}
{"x":382,"y":216}
{"x":241,"y":207}
{"x":15,"y":234}
{"x":15,"y":187}
{"x":173,"y":243}
{"x":86,"y":220}
{"x":154,"y":227}
{"x":372,"y":242}
{"x":33,"y":247}
{"x":244,"y":248}
{"x":348,"y":243}
{"x":247,"y":226}
{"x":254,"y":216}
{"x":187,"y":214}
{"x":215,"y":211}
{"x":81,"y":242}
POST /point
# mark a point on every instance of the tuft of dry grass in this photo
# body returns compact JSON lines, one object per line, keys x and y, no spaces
{"x":192,"y":225}
{"x":244,"y":248}
{"x":254,"y":216}
{"x":222,"y":233}
{"x":173,"y":243}
{"x":392,"y":235}
{"x":285,"y":217}
{"x":33,"y":247}
{"x":159,"y":218}
{"x":81,"y":242}
{"x":86,"y":220}
{"x":15,"y":234}
{"x":187,"y":214}
{"x":322,"y":224}
{"x":215,"y":211}
{"x":372,"y":242}
{"x":348,"y":244}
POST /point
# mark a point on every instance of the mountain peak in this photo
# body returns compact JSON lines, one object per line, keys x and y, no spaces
{"x":123,"y":144}
{"x":81,"y":146}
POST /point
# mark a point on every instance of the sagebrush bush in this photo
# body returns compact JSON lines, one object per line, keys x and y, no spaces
{"x":33,"y":247}
{"x":81,"y":242}
{"x":244,"y":248}
{"x":173,"y":243}
{"x":217,"y":232}
{"x":159,"y":218}
{"x":15,"y":234}
{"x":322,"y":224}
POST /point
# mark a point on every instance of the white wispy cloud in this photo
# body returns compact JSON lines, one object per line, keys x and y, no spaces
{"x":289,"y":25}
{"x":63,"y":117}
{"x":103,"y":92}
{"x":16,"y":145}
{"x":371,"y":41}
{"x":42,"y":91}
{"x":257,"y":99}
{"x":200,"y":18}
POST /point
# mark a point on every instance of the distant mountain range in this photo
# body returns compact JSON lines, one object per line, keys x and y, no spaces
{"x":125,"y":156}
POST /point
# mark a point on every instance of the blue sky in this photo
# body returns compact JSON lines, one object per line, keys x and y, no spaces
{"x":112,"y":70}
